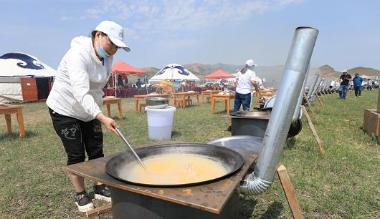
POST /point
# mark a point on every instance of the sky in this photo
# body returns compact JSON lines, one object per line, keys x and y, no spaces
{"x":161,"y":32}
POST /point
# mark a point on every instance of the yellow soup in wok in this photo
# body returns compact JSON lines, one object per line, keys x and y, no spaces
{"x":173,"y":169}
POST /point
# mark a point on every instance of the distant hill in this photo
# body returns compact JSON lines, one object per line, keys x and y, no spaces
{"x":364,"y":71}
{"x":330,"y":72}
{"x":150,"y":71}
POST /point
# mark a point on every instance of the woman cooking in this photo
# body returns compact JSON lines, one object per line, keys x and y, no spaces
{"x":76,"y":98}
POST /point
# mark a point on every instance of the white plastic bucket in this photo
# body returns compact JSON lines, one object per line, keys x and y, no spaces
{"x":160,"y":122}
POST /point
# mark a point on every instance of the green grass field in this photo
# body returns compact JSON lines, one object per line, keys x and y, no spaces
{"x":344,"y":183}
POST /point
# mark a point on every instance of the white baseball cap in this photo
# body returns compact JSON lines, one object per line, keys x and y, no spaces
{"x":250,"y":63}
{"x":115,"y":32}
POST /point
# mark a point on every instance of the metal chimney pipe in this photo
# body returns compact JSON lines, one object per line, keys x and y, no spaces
{"x":297,"y":111}
{"x":321,"y":85}
{"x":315,"y":88}
{"x":311,"y":89}
{"x":294,"y":74}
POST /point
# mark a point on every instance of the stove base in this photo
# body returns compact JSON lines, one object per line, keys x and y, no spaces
{"x":130,"y":205}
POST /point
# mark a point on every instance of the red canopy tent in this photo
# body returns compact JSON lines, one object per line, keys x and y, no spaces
{"x":218,"y":74}
{"x":122,"y":68}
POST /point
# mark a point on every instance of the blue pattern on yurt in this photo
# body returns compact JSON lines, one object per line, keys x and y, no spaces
{"x":181,"y":70}
{"x":26,"y":61}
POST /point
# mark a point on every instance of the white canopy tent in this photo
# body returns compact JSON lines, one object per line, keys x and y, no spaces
{"x":13,"y":67}
{"x":173,"y":72}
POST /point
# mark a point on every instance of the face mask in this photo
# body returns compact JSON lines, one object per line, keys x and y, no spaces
{"x":101,"y":52}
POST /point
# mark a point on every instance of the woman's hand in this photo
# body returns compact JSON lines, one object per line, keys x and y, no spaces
{"x":108,"y":122}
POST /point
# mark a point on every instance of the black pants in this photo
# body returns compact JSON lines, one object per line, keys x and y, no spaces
{"x":242,"y":99}
{"x":78,"y":137}
{"x":358,"y":90}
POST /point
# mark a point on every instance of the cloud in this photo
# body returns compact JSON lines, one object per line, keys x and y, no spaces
{"x":154,"y":16}
{"x":92,"y":13}
{"x":64,"y":18}
{"x":176,"y":43}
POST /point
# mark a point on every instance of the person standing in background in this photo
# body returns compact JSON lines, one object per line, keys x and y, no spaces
{"x":357,"y":80}
{"x":369,"y":84}
{"x":344,"y":84}
{"x":138,"y":83}
{"x":120,"y":82}
{"x":245,"y":81}
{"x":126,"y":81}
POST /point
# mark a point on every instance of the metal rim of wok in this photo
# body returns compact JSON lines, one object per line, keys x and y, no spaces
{"x":230,"y":159}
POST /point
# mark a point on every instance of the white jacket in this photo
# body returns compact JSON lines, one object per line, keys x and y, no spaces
{"x":78,"y":86}
{"x":244,"y":81}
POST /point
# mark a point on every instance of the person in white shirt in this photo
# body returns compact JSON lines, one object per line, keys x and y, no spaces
{"x":245,"y":82}
{"x":76,"y":98}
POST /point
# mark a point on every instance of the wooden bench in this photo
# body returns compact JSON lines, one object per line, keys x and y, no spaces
{"x":142,"y":107}
{"x":7,"y":110}
{"x":189,"y":101}
{"x":113,"y":100}
{"x":182,"y":103}
{"x":207,"y":95}
{"x":183,"y":99}
{"x":225,"y":97}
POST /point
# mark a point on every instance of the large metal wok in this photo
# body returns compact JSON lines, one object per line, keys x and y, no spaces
{"x":231,"y":160}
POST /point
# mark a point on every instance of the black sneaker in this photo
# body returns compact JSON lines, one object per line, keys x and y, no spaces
{"x":102,"y":192}
{"x":83,"y":202}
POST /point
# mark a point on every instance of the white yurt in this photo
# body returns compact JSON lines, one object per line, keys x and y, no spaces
{"x":173,"y":72}
{"x":24,"y":78}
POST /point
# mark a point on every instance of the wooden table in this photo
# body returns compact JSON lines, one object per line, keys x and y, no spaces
{"x":208,"y":93}
{"x":225,"y":97}
{"x":183,"y":97}
{"x":7,"y":110}
{"x":113,"y":100}
{"x":137,"y":98}
{"x":211,"y":197}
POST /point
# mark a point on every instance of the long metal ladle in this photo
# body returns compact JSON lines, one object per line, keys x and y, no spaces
{"x":130,"y":147}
